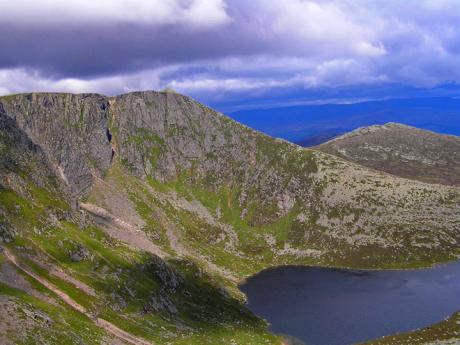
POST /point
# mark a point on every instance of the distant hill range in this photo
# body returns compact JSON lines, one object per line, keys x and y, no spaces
{"x":319,"y":138}
{"x":309,"y":125}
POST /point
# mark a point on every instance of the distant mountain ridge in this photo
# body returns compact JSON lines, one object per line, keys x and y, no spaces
{"x":319,"y":138}
{"x":301,"y":122}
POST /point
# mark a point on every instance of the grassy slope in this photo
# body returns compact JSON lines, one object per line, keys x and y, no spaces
{"x":124,"y":280}
{"x":446,"y":332}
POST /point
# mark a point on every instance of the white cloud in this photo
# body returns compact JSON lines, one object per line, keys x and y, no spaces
{"x":201,"y":13}
{"x":204,"y":11}
{"x":23,"y":80}
{"x":335,"y":73}
{"x":226,"y":84}
{"x":327,"y":25}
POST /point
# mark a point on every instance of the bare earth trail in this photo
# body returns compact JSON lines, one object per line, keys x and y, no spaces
{"x":104,"y":324}
{"x":123,"y":231}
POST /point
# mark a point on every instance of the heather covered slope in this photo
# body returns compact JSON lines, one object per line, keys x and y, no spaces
{"x":403,"y":151}
{"x":159,"y":206}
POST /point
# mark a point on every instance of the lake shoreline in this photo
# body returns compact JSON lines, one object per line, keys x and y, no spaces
{"x":349,"y":268}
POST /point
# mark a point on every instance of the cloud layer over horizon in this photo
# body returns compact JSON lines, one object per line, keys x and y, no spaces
{"x":222,"y":47}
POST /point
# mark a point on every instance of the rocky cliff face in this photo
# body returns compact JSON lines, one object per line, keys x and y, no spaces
{"x":162,"y":135}
{"x":20,"y":157}
{"x":70,"y":129}
{"x":167,"y":136}
{"x":403,"y":151}
{"x":21,"y":163}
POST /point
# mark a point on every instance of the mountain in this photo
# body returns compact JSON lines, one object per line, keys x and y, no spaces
{"x":132,"y":219}
{"x":401,"y":150}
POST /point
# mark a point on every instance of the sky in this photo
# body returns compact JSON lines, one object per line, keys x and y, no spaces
{"x":233,"y":53}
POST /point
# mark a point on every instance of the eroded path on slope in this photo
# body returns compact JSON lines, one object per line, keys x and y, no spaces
{"x":122,"y":230}
{"x":104,"y":324}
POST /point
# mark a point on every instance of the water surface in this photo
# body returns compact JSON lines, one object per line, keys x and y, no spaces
{"x":322,"y":306}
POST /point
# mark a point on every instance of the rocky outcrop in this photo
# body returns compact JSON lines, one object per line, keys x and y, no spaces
{"x":22,"y":161}
{"x":70,"y":129}
{"x":7,"y":232}
{"x":80,"y":253}
{"x":164,"y":134}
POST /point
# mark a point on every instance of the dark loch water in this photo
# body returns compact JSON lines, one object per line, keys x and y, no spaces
{"x":323,"y":306}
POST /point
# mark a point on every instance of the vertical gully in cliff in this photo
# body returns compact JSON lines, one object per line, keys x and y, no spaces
{"x":106,"y":107}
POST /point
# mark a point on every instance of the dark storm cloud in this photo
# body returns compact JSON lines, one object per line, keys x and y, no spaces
{"x":199,"y":46}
